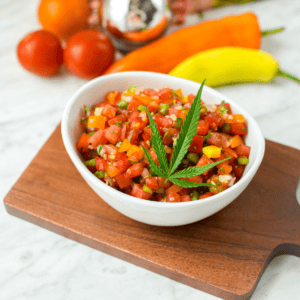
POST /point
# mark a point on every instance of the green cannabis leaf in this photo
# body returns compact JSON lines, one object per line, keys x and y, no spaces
{"x":185,"y":137}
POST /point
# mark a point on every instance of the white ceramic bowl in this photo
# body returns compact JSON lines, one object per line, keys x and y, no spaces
{"x":151,"y":212}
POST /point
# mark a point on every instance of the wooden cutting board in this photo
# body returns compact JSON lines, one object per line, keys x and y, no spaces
{"x":223,"y":255}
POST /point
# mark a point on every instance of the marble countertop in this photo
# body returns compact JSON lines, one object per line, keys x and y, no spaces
{"x":37,"y":264}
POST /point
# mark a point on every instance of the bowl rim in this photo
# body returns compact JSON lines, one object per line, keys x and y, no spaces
{"x":88,"y":176}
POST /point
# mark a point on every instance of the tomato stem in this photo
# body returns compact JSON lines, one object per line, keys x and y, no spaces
{"x":287,"y":75}
{"x":271,"y":31}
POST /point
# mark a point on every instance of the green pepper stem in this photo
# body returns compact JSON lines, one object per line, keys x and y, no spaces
{"x":287,"y":75}
{"x":271,"y":31}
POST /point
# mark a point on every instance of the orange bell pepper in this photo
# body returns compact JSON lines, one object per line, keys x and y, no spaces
{"x":234,"y":119}
{"x":167,"y":52}
{"x":236,"y":141}
{"x":96,"y":122}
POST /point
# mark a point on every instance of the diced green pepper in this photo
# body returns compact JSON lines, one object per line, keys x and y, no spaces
{"x":122,"y":104}
{"x":90,"y":163}
{"x":132,"y":89}
{"x":178,"y":123}
{"x":147,"y":189}
{"x":193,"y":157}
{"x":141,"y":108}
{"x":163,"y":108}
{"x":194,"y":195}
{"x":243,"y":160}
{"x":99,"y":174}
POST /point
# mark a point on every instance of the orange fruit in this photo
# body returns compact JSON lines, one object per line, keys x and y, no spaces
{"x":64,"y":17}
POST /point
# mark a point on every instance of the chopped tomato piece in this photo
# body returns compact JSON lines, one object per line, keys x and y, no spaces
{"x":122,"y":181}
{"x":133,"y":136}
{"x":153,"y":106}
{"x":173,"y":197}
{"x":110,"y":149}
{"x":174,"y":188}
{"x":196,"y":144}
{"x":134,"y":104}
{"x":100,"y":163}
{"x":152,"y":182}
{"x":218,"y":139}
{"x":204,"y":160}
{"x":171,"y":134}
{"x":121,"y":162}
{"x":134,"y":171}
{"x":206,"y":195}
{"x":243,"y":150}
{"x":203,"y":127}
{"x":97,"y":138}
{"x":118,"y":120}
{"x":238,"y":128}
{"x":113,"y":133}
{"x":150,"y":92}
{"x":230,"y":152}
{"x":109,"y":111}
{"x":172,"y":111}
{"x":165,"y":94}
{"x":154,"y":157}
{"x":137,"y":191}
{"x":214,"y":120}
{"x":185,"y":198}
{"x":197,"y":178}
{"x":163,"y":183}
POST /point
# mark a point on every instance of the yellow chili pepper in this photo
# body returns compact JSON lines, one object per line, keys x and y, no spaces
{"x":227,"y":65}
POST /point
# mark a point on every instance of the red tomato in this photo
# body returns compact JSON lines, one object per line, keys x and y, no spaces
{"x":100,"y":163}
{"x":173,"y":197}
{"x":134,"y":171}
{"x":137,"y":191}
{"x":197,"y":178}
{"x":214,"y":120}
{"x":185,"y":198}
{"x":204,"y":160}
{"x":243,"y":150}
{"x":203,"y":127}
{"x":109,"y":111}
{"x":206,"y":195}
{"x":218,"y":139}
{"x":97,"y":138}
{"x":112,"y":133}
{"x":40,"y":52}
{"x":196,"y":144}
{"x":88,"y":54}
{"x":133,"y":105}
{"x":121,"y":162}
{"x":238,"y":128}
{"x":122,"y":181}
{"x":151,"y":182}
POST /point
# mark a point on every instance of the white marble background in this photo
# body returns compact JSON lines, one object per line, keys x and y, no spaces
{"x":37,"y":264}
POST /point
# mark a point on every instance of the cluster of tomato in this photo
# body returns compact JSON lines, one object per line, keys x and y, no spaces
{"x":116,"y":129}
{"x":87,"y":54}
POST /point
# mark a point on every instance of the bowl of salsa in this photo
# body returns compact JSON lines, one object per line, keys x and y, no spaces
{"x":106,"y":131}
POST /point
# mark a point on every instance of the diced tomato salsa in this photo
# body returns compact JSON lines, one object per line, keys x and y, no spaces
{"x":113,"y":150}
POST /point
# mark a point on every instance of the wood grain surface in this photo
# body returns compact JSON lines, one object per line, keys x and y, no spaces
{"x":223,"y":255}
